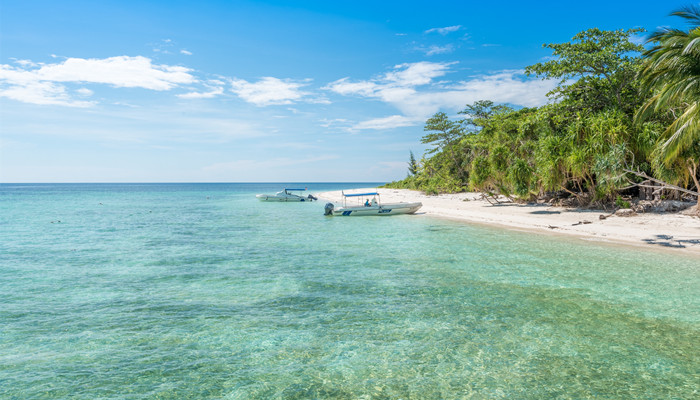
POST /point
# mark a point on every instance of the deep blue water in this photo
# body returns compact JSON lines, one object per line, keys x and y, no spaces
{"x":201,"y":291}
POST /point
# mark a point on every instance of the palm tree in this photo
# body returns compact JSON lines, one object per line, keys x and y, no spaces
{"x":672,"y":72}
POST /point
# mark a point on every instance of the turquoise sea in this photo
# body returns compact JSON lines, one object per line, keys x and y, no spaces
{"x":140,"y":291}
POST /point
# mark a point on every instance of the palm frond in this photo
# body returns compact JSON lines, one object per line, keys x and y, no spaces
{"x":672,"y":73}
{"x":681,"y":134}
{"x":689,"y":13}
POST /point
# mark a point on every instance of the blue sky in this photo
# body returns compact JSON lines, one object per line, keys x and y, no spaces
{"x":264,"y":91}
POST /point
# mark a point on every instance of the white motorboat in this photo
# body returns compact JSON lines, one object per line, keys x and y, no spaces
{"x":286,"y":195}
{"x":369,"y":204}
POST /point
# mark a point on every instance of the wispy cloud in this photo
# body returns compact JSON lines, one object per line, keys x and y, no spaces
{"x":410,"y":89}
{"x":403,"y":77}
{"x":122,"y":71}
{"x":185,"y":52}
{"x":345,"y":87}
{"x":85,"y":92}
{"x":50,"y":83}
{"x":209,"y":89}
{"x":444,"y":31}
{"x":269,"y":91}
{"x":391,"y":122}
{"x":26,"y":63}
{"x":46,"y":83}
{"x":393,"y":87}
{"x":334,"y":123}
{"x":164,"y":46}
{"x":42,"y":93}
{"x":509,"y":86}
{"x":415,"y":74}
{"x":434,"y":49}
{"x":203,"y":95}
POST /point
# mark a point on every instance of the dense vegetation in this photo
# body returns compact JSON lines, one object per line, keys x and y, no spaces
{"x":621,"y":118}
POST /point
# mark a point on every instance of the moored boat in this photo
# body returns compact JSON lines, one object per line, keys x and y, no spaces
{"x":286,"y":195}
{"x":365,"y":206}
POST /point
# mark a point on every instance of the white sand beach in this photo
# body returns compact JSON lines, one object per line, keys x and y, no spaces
{"x":677,"y":232}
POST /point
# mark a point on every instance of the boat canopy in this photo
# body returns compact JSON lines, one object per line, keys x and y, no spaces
{"x":361,"y":194}
{"x":294,"y":189}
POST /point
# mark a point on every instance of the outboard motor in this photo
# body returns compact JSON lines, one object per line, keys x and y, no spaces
{"x":329,"y":209}
{"x":312,"y":198}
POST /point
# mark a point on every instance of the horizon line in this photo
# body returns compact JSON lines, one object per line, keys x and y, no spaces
{"x":179,"y":182}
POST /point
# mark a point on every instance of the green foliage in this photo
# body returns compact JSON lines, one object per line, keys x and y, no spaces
{"x":672,"y":73}
{"x":622,"y":203}
{"x":444,"y":133}
{"x":479,"y":114}
{"x":583,"y":145}
{"x":480,"y":173}
{"x":412,"y":164}
{"x":498,"y":158}
{"x":520,"y":174}
{"x":609,"y":171}
{"x":602,"y":66}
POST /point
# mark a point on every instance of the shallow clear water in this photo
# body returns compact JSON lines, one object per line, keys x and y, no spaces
{"x":201,"y":291}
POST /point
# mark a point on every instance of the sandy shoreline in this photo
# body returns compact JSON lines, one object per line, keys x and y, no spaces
{"x":680,"y":233}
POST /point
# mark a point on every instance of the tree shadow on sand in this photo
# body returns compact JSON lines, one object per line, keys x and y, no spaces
{"x":545,"y":212}
{"x":669,"y":241}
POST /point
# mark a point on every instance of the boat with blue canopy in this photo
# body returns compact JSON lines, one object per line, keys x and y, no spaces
{"x":369,"y":203}
{"x":286,"y":195}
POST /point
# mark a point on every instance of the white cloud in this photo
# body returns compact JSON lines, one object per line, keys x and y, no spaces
{"x":48,"y":83}
{"x":164,"y":46}
{"x":328,"y":123}
{"x":444,"y":31}
{"x":391,"y":122}
{"x":121,"y":71}
{"x":42,"y":93}
{"x":26,"y":63}
{"x":399,"y":82}
{"x":269,"y":91}
{"x":345,"y":87}
{"x":397,"y":88}
{"x":420,"y":73}
{"x":44,"y":84}
{"x":432,"y":50}
{"x":410,"y":89}
{"x":185,"y":52}
{"x":85,"y":92}
{"x":203,"y":95}
{"x":510,"y":86}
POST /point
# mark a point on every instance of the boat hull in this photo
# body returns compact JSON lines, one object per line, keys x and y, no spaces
{"x":265,"y":197}
{"x":384,"y":209}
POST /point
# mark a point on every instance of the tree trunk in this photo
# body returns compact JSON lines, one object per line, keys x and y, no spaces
{"x":646,"y":193}
{"x":693,"y":168}
{"x":665,"y":185}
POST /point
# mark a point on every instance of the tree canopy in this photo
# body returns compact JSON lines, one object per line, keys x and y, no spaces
{"x":596,"y":69}
{"x":620,"y":117}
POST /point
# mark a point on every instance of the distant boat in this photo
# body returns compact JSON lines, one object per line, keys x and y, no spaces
{"x":365,"y":206}
{"x":286,"y":195}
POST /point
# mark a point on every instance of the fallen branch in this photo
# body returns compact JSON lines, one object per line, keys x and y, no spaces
{"x":488,"y":198}
{"x":664,"y":185}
